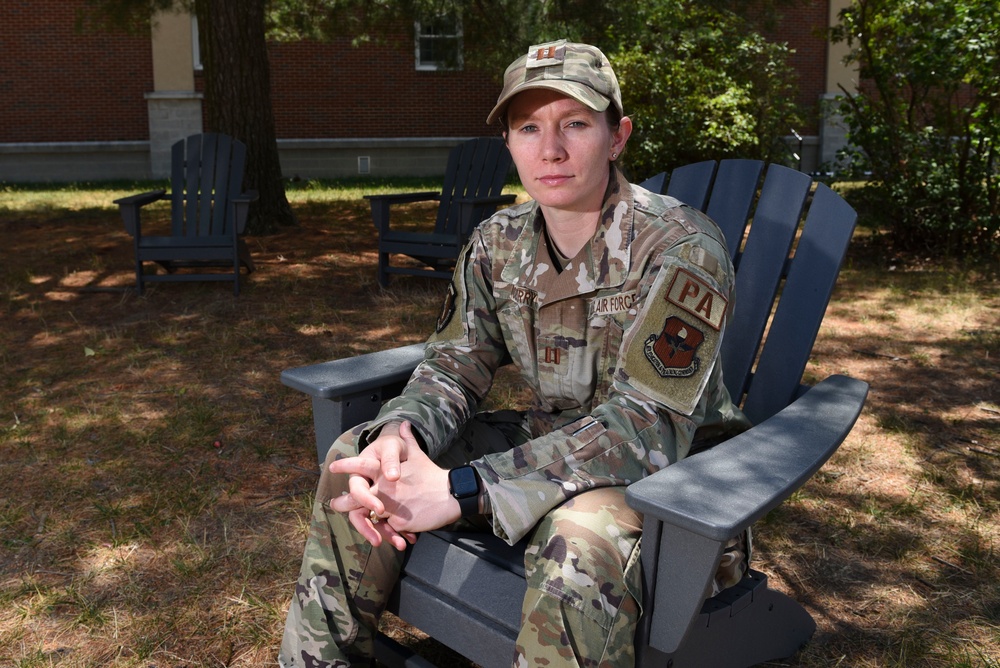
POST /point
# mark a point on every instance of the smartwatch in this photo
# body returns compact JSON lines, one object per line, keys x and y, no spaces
{"x":463,"y":483}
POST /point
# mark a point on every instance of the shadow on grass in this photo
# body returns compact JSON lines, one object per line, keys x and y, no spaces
{"x":128,"y":536}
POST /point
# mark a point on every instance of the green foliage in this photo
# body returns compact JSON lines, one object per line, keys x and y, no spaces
{"x":699,"y":79}
{"x":925,"y":121}
{"x":130,"y":15}
{"x":701,"y":82}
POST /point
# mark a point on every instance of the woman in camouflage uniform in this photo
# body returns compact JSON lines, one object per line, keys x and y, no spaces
{"x":611,"y":301}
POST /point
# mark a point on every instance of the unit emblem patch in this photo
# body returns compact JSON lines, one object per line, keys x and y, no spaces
{"x":672,"y":347}
{"x":672,"y":352}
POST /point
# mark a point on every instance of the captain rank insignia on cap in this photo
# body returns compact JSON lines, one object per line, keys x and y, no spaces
{"x":543,"y":55}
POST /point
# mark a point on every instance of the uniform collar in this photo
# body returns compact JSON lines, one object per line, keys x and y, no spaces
{"x":603,"y":263}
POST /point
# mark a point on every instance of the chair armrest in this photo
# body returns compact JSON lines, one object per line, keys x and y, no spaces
{"x":495,"y":199}
{"x":129,"y":208}
{"x":142,"y":199}
{"x":332,"y":380}
{"x":722,"y":491}
{"x":404,"y":198}
{"x":349,"y":391}
{"x":246,"y":197}
{"x":692,"y":508}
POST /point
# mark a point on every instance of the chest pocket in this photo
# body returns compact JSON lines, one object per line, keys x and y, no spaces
{"x":565,"y":355}
{"x":565,"y":349}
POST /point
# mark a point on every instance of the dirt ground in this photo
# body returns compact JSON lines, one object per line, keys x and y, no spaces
{"x":155,"y":476}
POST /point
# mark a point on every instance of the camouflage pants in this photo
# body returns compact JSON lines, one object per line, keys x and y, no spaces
{"x":582,"y":567}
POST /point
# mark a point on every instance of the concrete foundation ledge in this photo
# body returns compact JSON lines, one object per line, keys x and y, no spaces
{"x":377,"y":157}
{"x":62,"y":162}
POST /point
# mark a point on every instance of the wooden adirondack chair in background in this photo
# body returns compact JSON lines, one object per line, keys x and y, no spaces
{"x":208,"y":214}
{"x":474,"y":177}
{"x":465,"y":589}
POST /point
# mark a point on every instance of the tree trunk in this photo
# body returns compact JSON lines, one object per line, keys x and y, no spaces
{"x":238,"y":100}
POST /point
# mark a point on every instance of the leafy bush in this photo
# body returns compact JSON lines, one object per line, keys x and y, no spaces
{"x":701,"y":82}
{"x":924,"y":123}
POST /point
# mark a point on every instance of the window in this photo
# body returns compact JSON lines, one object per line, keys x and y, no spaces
{"x":439,"y":43}
{"x":195,"y":44}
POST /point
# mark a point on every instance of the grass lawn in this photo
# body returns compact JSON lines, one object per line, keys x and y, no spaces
{"x":156,"y":477}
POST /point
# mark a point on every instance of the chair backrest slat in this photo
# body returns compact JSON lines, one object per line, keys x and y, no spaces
{"x":812,"y":274}
{"x":732,"y":198}
{"x":692,"y":183}
{"x":207,"y":187}
{"x":192,"y":183}
{"x":655,"y":183}
{"x":178,"y":187}
{"x":206,"y":173}
{"x":768,"y":243}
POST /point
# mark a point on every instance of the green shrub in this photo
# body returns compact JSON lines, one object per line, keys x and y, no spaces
{"x":924,"y":123}
{"x":701,"y":82}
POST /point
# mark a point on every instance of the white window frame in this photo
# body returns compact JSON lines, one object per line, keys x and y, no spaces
{"x":423,"y":63}
{"x":195,"y":45}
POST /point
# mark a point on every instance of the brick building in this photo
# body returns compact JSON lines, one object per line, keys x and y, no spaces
{"x":83,"y":105}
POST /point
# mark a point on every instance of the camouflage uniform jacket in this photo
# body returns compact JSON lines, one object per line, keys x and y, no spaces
{"x":619,"y":350}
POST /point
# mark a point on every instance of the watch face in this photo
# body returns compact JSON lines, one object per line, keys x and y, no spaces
{"x":463,"y":482}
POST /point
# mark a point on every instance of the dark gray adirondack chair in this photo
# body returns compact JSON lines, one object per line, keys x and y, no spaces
{"x":474,"y":177}
{"x":208,"y":214}
{"x":465,"y":589}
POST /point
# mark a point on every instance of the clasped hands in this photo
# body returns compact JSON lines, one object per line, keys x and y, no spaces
{"x":395,"y":481}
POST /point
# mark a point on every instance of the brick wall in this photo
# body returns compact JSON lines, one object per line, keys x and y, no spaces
{"x":802,"y":27}
{"x":61,"y":85}
{"x":58,"y":84}
{"x":326,"y":90}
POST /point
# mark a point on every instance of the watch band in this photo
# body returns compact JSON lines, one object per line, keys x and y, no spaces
{"x":469,"y":505}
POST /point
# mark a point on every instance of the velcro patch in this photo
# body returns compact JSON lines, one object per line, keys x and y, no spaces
{"x":672,"y":347}
{"x":451,"y":320}
{"x":612,"y":304}
{"x":447,"y":308}
{"x":698,"y":298}
{"x":543,"y":55}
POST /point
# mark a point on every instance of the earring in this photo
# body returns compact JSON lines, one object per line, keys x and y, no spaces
{"x":614,"y":156}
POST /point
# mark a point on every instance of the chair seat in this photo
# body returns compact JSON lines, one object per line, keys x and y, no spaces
{"x":479,"y":578}
{"x":220,"y":241}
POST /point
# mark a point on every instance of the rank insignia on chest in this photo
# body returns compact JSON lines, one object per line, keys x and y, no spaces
{"x":672,"y":351}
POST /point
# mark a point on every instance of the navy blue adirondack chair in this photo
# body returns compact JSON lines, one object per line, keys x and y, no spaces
{"x":474,"y":178}
{"x":788,"y":238}
{"x":208,"y":214}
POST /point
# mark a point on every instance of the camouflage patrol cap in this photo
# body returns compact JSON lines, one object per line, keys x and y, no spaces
{"x":579,"y":71}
